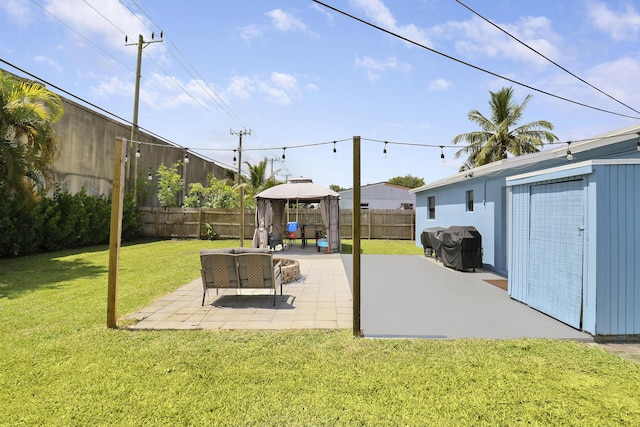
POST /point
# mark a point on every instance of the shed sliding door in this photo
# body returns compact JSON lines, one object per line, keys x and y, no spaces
{"x":556,"y":250}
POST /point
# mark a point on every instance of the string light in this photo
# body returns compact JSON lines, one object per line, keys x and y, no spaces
{"x":569,"y":155}
{"x":335,"y":152}
{"x":384,"y":151}
{"x":126,"y":157}
{"x":442,"y":153}
{"x":234,"y":157}
{"x":283,"y":155}
{"x":138,"y":153}
{"x":149,"y":176}
{"x":186,"y":158}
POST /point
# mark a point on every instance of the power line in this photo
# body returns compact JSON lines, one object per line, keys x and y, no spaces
{"x":542,"y":55}
{"x":104,"y":17}
{"x":81,"y":36}
{"x":469,"y":64}
{"x":200,"y":81}
{"x":168,"y":142}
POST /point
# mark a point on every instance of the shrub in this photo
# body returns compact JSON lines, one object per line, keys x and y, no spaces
{"x":62,"y":221}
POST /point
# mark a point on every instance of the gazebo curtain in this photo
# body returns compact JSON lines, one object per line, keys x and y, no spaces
{"x":270,"y":215}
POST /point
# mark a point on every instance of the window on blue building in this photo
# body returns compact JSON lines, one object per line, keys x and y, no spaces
{"x":469,"y":200}
{"x":432,"y":207}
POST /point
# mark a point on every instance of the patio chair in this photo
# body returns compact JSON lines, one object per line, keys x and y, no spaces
{"x":256,"y":270}
{"x":218,"y":270}
{"x":240,"y":268}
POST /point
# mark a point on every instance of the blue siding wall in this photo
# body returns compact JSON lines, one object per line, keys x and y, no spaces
{"x":547,"y":269}
{"x":488,"y":215}
{"x":519,"y":256}
{"x":618,"y":249}
{"x":611,"y":269}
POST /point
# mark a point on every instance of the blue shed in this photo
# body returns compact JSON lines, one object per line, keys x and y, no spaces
{"x":575,"y":244}
{"x":492,"y":199}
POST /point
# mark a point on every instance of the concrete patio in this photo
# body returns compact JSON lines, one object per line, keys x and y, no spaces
{"x":320,"y":299}
{"x":401,"y":296}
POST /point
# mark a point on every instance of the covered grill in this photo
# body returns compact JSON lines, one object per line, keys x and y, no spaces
{"x":460,"y":247}
{"x":430,"y":242}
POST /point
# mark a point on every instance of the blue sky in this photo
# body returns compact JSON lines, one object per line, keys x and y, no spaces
{"x":297,"y":73}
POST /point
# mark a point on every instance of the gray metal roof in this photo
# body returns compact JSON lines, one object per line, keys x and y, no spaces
{"x":515,"y":163}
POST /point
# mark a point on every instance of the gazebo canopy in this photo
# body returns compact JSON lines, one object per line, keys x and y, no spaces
{"x":297,"y":189}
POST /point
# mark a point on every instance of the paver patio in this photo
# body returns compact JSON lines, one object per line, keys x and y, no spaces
{"x":320,"y":299}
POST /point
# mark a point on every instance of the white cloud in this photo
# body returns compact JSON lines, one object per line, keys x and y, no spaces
{"x":279,"y":88}
{"x":251,"y":32}
{"x":241,"y":87}
{"x":376,"y":68}
{"x":323,"y":11}
{"x":48,"y":61}
{"x":285,"y":81}
{"x":619,"y":79}
{"x":110,"y":86}
{"x":476,"y":38}
{"x":18,"y":10}
{"x":285,"y":21}
{"x":622,"y":25}
{"x":379,"y":14}
{"x":162,"y":91}
{"x":157,"y":91}
{"x":84,"y":19}
{"x":439,"y":84}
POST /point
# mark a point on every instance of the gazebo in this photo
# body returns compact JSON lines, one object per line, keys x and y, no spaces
{"x":270,"y":210}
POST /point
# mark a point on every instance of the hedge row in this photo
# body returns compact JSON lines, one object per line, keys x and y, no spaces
{"x":61,"y":222}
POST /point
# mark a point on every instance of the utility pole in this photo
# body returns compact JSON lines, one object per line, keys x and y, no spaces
{"x":240,"y":134}
{"x":136,"y":100}
{"x":273,"y":159}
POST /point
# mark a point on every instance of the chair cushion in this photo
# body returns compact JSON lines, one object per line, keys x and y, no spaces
{"x":252,"y":251}
{"x":217,"y":251}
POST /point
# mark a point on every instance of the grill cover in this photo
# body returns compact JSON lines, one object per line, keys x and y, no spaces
{"x":430,"y":242}
{"x":460,"y":247}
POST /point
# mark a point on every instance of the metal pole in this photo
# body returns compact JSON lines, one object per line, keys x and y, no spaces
{"x":357,"y":330}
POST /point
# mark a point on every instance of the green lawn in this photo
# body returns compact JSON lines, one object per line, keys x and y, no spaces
{"x":60,"y":365}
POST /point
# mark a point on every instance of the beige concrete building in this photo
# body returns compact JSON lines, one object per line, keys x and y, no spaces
{"x":87,"y":155}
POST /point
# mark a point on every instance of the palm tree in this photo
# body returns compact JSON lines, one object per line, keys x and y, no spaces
{"x":258,"y":178}
{"x":501,"y":135}
{"x":28,"y":144}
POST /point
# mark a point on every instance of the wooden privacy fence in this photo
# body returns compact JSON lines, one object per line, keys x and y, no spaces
{"x":225,"y":223}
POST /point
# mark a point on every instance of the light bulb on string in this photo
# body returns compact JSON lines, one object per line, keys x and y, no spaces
{"x":149,"y":176}
{"x":335,"y":152}
{"x":138,"y":153}
{"x":569,"y":154}
{"x":234,"y":157}
{"x":384,"y":151}
{"x":283,"y":155}
{"x":186,"y":158}
{"x":442,"y":159}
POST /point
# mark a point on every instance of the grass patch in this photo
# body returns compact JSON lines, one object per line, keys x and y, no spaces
{"x":60,"y":365}
{"x":387,"y":247}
